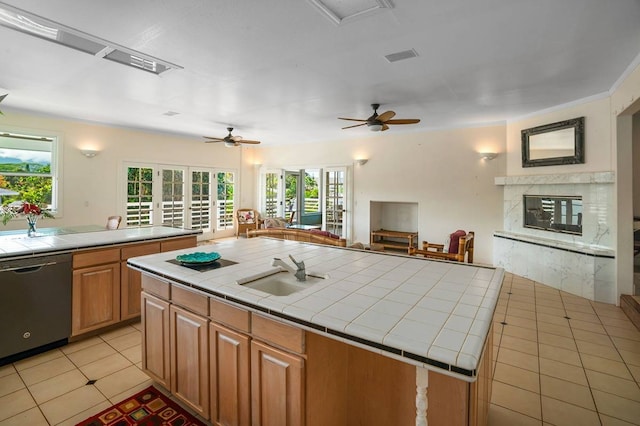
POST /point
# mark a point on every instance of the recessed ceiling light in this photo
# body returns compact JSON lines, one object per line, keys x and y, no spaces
{"x":339,"y":11}
{"x":37,"y":26}
{"x":399,"y":56}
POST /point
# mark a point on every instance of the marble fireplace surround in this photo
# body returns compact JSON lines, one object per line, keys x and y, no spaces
{"x":583,"y":265}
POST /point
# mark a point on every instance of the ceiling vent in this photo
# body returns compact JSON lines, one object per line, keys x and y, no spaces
{"x":37,"y":26}
{"x":400,"y":56}
{"x":170,"y":113}
{"x":339,"y":11}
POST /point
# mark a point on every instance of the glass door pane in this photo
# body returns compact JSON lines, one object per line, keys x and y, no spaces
{"x":173,"y":209}
{"x":200,"y":208}
{"x":225,"y":200}
{"x":271,"y":194}
{"x":139,"y":196}
{"x":334,"y":202}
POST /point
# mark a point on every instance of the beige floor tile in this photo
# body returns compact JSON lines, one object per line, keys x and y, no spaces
{"x":31,"y":417}
{"x":46,"y":370}
{"x":523,"y":333}
{"x":610,"y":311}
{"x":563,"y":371}
{"x":133,"y":354}
{"x":38,"y":359}
{"x":121,"y":381}
{"x":588,"y":336}
{"x":91,"y":354}
{"x":606,"y":366}
{"x":626,"y":344}
{"x":71,"y":403}
{"x":83,"y":415}
{"x":548,"y":310}
{"x":559,"y":354}
{"x":561,"y":413}
{"x":527,"y":298}
{"x":573,"y":299}
{"x":5,"y":370}
{"x":566,"y":391}
{"x":81,"y":344}
{"x":516,"y":399}
{"x":610,"y":421}
{"x":10,"y":384}
{"x":517,"y":377}
{"x":574,"y":315}
{"x":516,"y":312}
{"x":592,"y":327}
{"x":127,"y":393}
{"x":552,"y":303}
{"x":552,"y":319}
{"x":618,"y":322}
{"x":615,"y":406}
{"x":126,"y":341}
{"x":625,"y":388}
{"x":518,"y":344}
{"x":58,"y":385}
{"x":559,"y":341}
{"x":15,"y":403}
{"x":623,"y":332}
{"x":635,"y":372}
{"x":137,"y":326}
{"x":499,"y":416}
{"x":521,"y":322}
{"x":631,"y":358}
{"x":603,"y":351}
{"x":518,"y":359}
{"x":585,"y":309}
{"x":105,"y":366}
{"x":118,"y":332}
{"x":557,"y":329}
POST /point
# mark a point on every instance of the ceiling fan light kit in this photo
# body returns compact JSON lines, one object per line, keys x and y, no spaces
{"x":379,"y":123}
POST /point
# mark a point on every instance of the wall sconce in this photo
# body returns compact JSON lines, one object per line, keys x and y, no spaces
{"x":362,"y":161}
{"x":487,"y":155}
{"x":89,"y":153}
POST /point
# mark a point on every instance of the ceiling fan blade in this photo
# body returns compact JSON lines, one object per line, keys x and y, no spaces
{"x":385,"y":116}
{"x":214,"y":141}
{"x":248,"y":142}
{"x":351,"y":119}
{"x":355,"y":125}
{"x":404,"y":121}
{"x":384,"y":127}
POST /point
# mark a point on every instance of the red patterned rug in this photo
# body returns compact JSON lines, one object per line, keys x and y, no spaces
{"x":147,"y":408}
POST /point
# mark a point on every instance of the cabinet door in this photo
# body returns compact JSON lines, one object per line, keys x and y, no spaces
{"x":96,"y":298}
{"x":277,"y":387}
{"x":155,"y":339}
{"x":131,"y":280}
{"x":230,"y":381}
{"x":190,"y":359}
{"x":178,"y":243}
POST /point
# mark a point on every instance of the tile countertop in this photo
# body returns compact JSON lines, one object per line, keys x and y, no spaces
{"x":13,"y":244}
{"x":428,"y":313}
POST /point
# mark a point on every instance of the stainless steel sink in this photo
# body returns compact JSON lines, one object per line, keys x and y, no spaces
{"x":279,"y":283}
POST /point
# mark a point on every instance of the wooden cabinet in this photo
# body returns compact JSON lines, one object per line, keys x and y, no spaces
{"x":155,"y":339}
{"x":178,"y":243}
{"x":130,"y":279}
{"x":229,"y":371}
{"x":189,"y":359}
{"x":96,"y":290}
{"x":277,"y":386}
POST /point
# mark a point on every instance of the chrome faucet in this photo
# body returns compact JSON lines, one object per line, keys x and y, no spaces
{"x":300,"y":273}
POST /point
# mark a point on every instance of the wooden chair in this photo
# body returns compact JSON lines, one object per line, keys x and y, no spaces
{"x":113,"y":222}
{"x":246,"y":219}
{"x":436,"y":251}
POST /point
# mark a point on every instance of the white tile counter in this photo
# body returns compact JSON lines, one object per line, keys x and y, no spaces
{"x":14,"y":244}
{"x":427,"y":313}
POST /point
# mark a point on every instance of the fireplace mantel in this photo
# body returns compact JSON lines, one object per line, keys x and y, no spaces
{"x":557,"y":179}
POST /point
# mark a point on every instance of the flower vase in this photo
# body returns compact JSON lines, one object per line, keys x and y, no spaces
{"x":31,"y":221}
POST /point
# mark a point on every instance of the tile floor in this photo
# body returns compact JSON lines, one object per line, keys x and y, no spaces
{"x":559,"y":360}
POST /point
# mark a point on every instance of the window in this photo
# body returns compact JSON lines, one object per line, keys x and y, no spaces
{"x":225,"y":200}
{"x":139,"y":196}
{"x":29,"y":169}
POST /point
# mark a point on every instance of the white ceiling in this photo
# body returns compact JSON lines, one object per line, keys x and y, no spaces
{"x":281,"y":72}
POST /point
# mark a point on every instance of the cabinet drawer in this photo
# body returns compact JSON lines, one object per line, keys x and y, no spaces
{"x":96,"y":257}
{"x":140,"y":250}
{"x":280,"y":334}
{"x":155,"y":286}
{"x":193,"y":301}
{"x":178,"y":244}
{"x":224,"y":313}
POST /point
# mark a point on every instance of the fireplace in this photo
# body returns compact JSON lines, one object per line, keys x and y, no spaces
{"x":553,"y":213}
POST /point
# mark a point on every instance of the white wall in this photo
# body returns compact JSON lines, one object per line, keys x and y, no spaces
{"x":636,"y":162}
{"x":90,"y":186}
{"x":441,"y":171}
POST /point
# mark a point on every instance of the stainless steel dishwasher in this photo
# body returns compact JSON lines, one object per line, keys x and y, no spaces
{"x":35,"y":305}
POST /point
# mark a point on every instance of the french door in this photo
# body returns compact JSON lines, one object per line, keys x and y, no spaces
{"x":335,"y":201}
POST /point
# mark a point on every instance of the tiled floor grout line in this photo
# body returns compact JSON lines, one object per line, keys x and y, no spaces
{"x":535,"y":306}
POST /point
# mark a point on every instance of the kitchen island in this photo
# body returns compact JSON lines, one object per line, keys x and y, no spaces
{"x":67,"y":283}
{"x":383,"y":339}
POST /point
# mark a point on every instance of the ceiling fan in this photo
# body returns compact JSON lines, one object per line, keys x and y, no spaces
{"x":230,"y":140}
{"x":377,"y":123}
